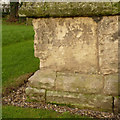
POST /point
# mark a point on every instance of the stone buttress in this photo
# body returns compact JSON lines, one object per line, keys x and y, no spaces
{"x":78,"y":56}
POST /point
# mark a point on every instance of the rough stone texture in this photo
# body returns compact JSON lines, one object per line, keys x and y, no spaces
{"x":108,"y":44}
{"x":117,"y":104}
{"x":67,"y":44}
{"x":42,"y":79}
{"x":111,"y":84}
{"x":80,"y":100}
{"x":79,"y":57}
{"x":66,"y":9}
{"x":35,"y":94}
{"x":81,"y":83}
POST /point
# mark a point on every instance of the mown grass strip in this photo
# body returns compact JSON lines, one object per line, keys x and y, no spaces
{"x":17,"y":112}
{"x":16,"y":33}
{"x":18,"y":59}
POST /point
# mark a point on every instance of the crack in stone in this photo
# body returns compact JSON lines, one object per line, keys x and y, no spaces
{"x":97,"y":46}
{"x":45,"y":95}
{"x":97,"y":19}
{"x":55,"y":80}
{"x":113,"y":106}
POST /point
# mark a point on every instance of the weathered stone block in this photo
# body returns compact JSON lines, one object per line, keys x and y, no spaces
{"x":42,"y":79}
{"x":82,"y":83}
{"x":111,"y":84}
{"x":108,"y":44}
{"x":35,"y":94}
{"x":117,"y":104}
{"x":80,"y":100}
{"x":67,"y":44}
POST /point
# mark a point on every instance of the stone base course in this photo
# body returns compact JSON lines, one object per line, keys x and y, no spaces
{"x":81,"y":90}
{"x":35,"y":94}
{"x":90,"y":101}
{"x":111,"y":85}
{"x":82,"y":83}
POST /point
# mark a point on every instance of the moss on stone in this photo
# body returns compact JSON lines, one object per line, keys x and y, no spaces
{"x":31,"y":100}
{"x":59,"y":9}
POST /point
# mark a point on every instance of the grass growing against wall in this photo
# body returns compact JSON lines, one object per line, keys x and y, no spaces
{"x":18,"y":62}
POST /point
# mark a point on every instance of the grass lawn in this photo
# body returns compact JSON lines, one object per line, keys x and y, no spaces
{"x":17,"y":112}
{"x":17,"y":53}
{"x":18,"y":62}
{"x":13,"y":33}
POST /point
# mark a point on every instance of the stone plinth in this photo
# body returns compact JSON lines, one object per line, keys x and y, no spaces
{"x":78,"y":62}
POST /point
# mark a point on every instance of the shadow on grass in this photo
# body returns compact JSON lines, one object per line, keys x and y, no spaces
{"x":18,"y":82}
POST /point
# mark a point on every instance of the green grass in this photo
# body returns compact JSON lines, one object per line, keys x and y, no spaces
{"x":17,"y":112}
{"x":18,"y":59}
{"x":16,"y":33}
{"x":17,"y":52}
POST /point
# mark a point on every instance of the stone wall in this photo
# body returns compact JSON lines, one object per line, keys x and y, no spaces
{"x":78,"y":62}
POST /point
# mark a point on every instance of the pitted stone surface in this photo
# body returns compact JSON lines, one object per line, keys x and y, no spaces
{"x":111,"y":85}
{"x":117,"y":104}
{"x":81,"y":83}
{"x":67,"y":44}
{"x":108,"y":44}
{"x":80,"y":100}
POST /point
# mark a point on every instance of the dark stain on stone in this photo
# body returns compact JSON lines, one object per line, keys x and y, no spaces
{"x":119,"y":30}
{"x":97,"y":19}
{"x":113,"y":102}
{"x":115,"y":36}
{"x":102,"y":51}
{"x":118,"y":18}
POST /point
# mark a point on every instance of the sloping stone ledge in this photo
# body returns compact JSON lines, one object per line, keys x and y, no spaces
{"x":74,"y":82}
